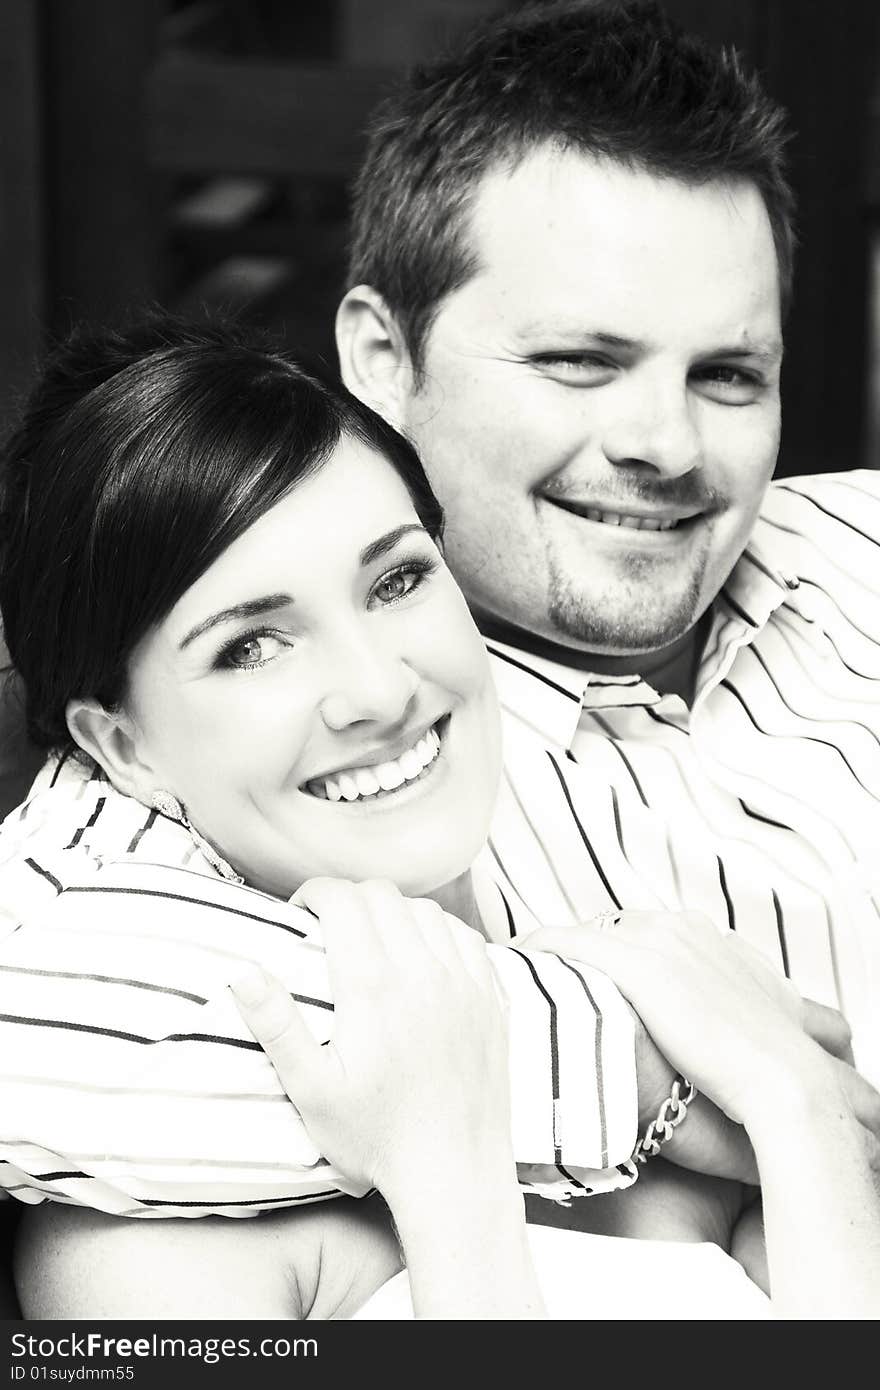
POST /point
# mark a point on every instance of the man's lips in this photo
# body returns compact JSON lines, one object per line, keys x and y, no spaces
{"x":626,"y":516}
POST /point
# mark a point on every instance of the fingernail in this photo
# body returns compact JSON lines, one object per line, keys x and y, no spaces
{"x":251,"y":987}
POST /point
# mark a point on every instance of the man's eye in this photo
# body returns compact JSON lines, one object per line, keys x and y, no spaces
{"x":730,"y":376}
{"x":584,"y":368}
{"x":249,"y":653}
{"x":733,"y":385}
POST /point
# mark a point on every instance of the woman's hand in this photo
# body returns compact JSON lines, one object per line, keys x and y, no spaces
{"x":412,"y":1092}
{"x":715,"y":1008}
{"x":415,"y":1075}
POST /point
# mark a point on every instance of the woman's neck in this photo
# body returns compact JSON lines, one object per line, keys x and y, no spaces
{"x":459,"y":899}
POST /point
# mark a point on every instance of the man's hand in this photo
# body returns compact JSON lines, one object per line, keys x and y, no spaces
{"x":710,"y":1142}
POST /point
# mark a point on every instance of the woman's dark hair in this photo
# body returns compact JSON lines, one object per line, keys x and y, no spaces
{"x":141,"y":456}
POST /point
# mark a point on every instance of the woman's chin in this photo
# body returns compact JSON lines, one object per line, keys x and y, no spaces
{"x":414,"y":880}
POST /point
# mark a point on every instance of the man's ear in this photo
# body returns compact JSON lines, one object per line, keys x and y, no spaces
{"x":373,"y":357}
{"x":110,"y":737}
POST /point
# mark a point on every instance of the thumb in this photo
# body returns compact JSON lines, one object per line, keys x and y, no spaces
{"x":828,"y":1028}
{"x":281,"y":1031}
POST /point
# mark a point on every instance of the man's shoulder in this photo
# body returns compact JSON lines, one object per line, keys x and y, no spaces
{"x":824,"y":528}
{"x":838,"y":497}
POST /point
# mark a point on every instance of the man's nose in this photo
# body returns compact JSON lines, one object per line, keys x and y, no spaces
{"x":654,"y":427}
{"x":367,"y":683}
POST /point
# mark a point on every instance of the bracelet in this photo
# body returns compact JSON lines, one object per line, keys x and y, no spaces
{"x":671,"y":1114}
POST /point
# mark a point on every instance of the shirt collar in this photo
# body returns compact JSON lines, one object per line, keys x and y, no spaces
{"x":545,"y":694}
{"x":549,"y":694}
{"x":756,"y":587}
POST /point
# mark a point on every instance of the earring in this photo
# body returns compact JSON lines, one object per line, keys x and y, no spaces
{"x":168,"y":805}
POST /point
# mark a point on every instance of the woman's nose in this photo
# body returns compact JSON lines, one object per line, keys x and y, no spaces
{"x":370,"y":685}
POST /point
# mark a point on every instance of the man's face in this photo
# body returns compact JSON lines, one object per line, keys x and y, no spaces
{"x":600,"y":410}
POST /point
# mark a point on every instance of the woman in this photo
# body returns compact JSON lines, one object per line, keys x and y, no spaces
{"x":299,"y":691}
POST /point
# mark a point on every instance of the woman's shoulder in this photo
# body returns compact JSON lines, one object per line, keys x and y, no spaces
{"x":71,"y":825}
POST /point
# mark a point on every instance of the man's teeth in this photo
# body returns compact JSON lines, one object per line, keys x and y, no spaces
{"x":634,"y":523}
{"x":361,"y":782}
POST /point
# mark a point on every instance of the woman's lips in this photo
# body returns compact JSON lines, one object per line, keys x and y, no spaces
{"x":360,"y":783}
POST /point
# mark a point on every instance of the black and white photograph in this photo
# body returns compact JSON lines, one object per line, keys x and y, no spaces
{"x":439,"y":672}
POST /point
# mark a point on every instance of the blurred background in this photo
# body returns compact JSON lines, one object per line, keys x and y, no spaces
{"x":198,"y":153}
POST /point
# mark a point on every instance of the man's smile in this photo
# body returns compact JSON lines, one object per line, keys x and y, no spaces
{"x":638,"y":518}
{"x":643,"y":527}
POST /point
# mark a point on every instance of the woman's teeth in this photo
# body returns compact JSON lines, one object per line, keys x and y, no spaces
{"x":361,"y":782}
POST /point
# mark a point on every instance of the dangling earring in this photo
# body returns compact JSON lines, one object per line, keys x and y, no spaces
{"x":168,"y":805}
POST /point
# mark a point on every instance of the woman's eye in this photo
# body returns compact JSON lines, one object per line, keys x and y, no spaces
{"x":395,"y":586}
{"x":248,"y":653}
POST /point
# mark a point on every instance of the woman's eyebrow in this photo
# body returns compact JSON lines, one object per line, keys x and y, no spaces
{"x":376,"y":549}
{"x":252,"y":608}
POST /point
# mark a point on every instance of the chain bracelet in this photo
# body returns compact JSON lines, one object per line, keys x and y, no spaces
{"x":671,"y":1114}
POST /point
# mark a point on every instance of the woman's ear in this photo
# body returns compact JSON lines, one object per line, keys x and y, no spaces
{"x":373,"y":357}
{"x":110,"y":737}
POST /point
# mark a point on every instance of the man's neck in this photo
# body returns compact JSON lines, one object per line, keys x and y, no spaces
{"x":671,"y":670}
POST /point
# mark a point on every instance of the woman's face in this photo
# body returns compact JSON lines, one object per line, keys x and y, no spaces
{"x":320,"y":700}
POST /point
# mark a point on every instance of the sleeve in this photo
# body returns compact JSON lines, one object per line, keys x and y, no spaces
{"x":572,"y":1075}
{"x":130,"y":1083}
{"x":573,"y":1084}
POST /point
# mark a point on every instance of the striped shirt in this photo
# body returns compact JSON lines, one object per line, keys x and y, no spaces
{"x":759,"y":805}
{"x":128,"y":1080}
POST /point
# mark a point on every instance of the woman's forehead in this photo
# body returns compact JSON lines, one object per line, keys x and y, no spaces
{"x":327,"y":526}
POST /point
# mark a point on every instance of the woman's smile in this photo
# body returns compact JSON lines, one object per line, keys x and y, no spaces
{"x":371,"y":778}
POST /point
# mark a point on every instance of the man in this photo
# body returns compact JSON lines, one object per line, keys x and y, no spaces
{"x":572,"y":253}
{"x":572,"y":301}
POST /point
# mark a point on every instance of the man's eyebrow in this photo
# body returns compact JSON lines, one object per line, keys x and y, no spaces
{"x":766,"y":352}
{"x":376,"y":549}
{"x":251,"y":608}
{"x":569,"y":334}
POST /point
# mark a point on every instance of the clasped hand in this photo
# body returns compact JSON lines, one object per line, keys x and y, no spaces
{"x":714,"y":1008}
{"x":415,"y":1077}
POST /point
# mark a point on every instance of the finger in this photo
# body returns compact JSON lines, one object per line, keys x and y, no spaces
{"x":323,"y":895}
{"x":606,"y":950}
{"x":828,"y":1028}
{"x":784,"y":991}
{"x":281,"y":1031}
{"x":469,"y":946}
{"x":354,"y":949}
{"x":413,"y":931}
{"x":862,"y":1096}
{"x":640,"y":926}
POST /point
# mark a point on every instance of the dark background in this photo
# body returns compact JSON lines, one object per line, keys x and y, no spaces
{"x":198,"y":152}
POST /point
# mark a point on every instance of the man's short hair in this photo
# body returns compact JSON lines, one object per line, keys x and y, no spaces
{"x":616,"y":81}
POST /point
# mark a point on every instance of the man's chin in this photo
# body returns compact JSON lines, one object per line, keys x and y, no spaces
{"x":580,"y":624}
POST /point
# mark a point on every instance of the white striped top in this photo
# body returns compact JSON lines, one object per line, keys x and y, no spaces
{"x":128,"y":1080}
{"x":761,"y":804}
